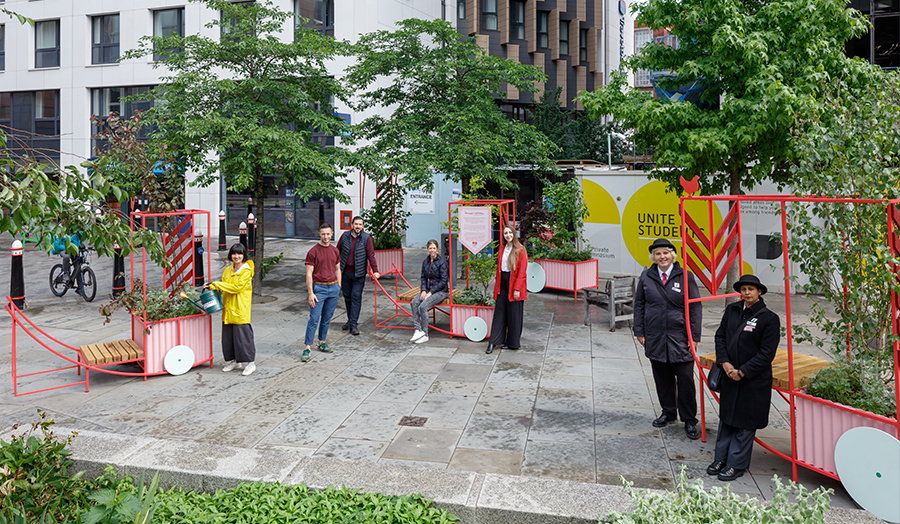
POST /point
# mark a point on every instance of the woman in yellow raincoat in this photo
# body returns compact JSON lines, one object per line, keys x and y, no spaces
{"x":236,"y":287}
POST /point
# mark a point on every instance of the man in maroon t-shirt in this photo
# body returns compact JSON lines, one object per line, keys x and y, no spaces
{"x":323,"y":282}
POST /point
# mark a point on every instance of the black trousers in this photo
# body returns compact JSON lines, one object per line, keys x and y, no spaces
{"x":506,"y":328}
{"x":675,"y":389}
{"x":734,"y":446}
{"x":237,"y":343}
{"x":352,"y":289}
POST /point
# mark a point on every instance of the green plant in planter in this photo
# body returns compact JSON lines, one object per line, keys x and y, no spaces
{"x":481,"y":268}
{"x":386,"y":220}
{"x":691,"y":504}
{"x":559,"y":235}
{"x":850,"y":148}
{"x":159,"y":305}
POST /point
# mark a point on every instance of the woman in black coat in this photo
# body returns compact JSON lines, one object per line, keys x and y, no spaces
{"x":660,"y":326}
{"x":746,"y":342}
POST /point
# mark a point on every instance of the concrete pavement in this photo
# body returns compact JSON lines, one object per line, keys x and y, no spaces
{"x":571,"y":408}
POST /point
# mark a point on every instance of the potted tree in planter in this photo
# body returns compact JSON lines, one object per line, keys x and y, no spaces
{"x":557,"y":245}
{"x":476,"y":299}
{"x":385,"y":222}
{"x":844,"y":250}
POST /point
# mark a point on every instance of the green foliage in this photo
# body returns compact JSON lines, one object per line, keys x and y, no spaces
{"x":34,"y":481}
{"x":387,"y":218}
{"x":159,"y":304}
{"x":445,"y":117}
{"x":763,"y":64}
{"x":129,"y":163}
{"x":123,"y":504}
{"x":691,"y":504}
{"x":268,"y":263}
{"x":575,"y":134}
{"x":851,"y":148}
{"x":481,"y":268}
{"x":247,"y":105}
{"x":557,"y":237}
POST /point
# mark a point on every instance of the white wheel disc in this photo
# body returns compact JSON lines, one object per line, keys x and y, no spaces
{"x":867,"y":461}
{"x":475,"y":329}
{"x":179,"y":360}
{"x":536,"y":277}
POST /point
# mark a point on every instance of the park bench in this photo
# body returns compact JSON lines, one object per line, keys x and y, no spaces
{"x":110,"y":352}
{"x":805,"y":366}
{"x":411,"y":293}
{"x":617,"y":298}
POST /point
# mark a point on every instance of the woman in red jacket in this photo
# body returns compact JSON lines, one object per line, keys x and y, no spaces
{"x":510,"y":293}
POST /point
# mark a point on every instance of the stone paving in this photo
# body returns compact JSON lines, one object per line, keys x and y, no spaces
{"x":574,"y":403}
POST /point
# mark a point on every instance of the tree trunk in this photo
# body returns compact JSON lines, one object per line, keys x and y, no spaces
{"x":260,"y":196}
{"x":734,"y":271}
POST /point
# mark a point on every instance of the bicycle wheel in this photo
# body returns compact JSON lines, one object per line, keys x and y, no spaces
{"x":88,"y":284}
{"x":58,"y":281}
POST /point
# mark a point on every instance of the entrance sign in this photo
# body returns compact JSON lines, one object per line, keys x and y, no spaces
{"x":420,"y":202}
{"x":474,"y":227}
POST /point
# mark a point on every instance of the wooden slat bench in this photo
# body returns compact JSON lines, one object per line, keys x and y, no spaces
{"x":805,"y":366}
{"x":110,"y":352}
{"x":407,"y":296}
{"x":617,"y":299}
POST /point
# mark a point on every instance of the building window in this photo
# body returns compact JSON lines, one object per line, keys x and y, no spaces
{"x":517,"y":20}
{"x":31,"y":123}
{"x":46,"y":44}
{"x":443,"y":9}
{"x":2,"y":47}
{"x":319,"y":13}
{"x":543,"y":26}
{"x":563,"y":37}
{"x":641,"y":38}
{"x":461,"y":9}
{"x":489,"y":15}
{"x":46,"y":113}
{"x":5,"y":111}
{"x":104,"y":39}
{"x":582,"y":45}
{"x":228,"y":24}
{"x":107,"y":100}
{"x":167,"y":22}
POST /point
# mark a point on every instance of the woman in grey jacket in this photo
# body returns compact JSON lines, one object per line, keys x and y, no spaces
{"x":660,"y":327}
{"x":435,"y":277}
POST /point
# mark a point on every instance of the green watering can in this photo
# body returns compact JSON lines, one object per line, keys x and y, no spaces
{"x":210,"y":301}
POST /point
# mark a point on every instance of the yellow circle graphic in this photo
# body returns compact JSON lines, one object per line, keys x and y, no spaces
{"x":601,"y":205}
{"x":652,"y":213}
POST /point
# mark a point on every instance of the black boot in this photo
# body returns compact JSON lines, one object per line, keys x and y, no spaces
{"x":490,"y":348}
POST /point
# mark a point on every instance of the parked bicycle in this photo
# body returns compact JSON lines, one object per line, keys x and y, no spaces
{"x":74,"y":274}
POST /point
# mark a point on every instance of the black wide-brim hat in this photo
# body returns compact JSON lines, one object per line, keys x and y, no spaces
{"x":750,"y":280}
{"x":662,"y":242}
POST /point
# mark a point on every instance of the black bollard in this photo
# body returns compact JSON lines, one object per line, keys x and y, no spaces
{"x":118,"y":272}
{"x":251,"y":235}
{"x":222,"y":244}
{"x":321,"y":212}
{"x":249,"y":205}
{"x":17,"y":279}
{"x":242,"y":229}
{"x":198,"y":258}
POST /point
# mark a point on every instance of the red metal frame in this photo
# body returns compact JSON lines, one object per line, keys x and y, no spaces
{"x":505,"y":218}
{"x":719,"y":244}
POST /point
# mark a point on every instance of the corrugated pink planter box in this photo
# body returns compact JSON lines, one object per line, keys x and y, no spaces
{"x":388,"y":258}
{"x":820,"y":423}
{"x":194,"y":332}
{"x":462,"y":313}
{"x":570,"y":276}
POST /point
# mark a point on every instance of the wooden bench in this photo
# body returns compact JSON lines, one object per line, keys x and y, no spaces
{"x":617,"y":298}
{"x":805,"y":366}
{"x":407,"y":296}
{"x":110,"y":352}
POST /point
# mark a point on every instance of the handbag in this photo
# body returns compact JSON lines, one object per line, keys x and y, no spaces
{"x":714,"y":377}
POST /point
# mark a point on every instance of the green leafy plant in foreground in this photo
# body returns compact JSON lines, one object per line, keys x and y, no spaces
{"x":691,"y":504}
{"x":158,"y":305}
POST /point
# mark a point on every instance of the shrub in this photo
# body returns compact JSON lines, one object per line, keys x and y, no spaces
{"x":159,"y":305}
{"x":691,"y":504}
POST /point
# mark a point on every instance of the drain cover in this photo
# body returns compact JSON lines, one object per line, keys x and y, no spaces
{"x":416,"y":422}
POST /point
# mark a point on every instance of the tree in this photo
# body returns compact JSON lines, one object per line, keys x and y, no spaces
{"x":445,"y":115}
{"x":49,"y":201}
{"x":762,"y":63}
{"x":576,"y":134}
{"x":251,"y":105}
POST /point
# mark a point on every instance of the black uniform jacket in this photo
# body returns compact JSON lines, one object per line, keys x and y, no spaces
{"x":745,"y":403}
{"x":661,"y":321}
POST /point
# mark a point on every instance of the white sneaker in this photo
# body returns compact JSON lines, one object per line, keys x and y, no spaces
{"x":416,"y":335}
{"x":229,"y":366}
{"x":251,"y":367}
{"x":423,"y":338}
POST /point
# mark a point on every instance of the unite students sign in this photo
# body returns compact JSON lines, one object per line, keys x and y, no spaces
{"x":475,"y":227}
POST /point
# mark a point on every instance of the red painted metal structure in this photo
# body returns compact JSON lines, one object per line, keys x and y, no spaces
{"x":709,"y":255}
{"x":186,"y":220}
{"x":399,"y":311}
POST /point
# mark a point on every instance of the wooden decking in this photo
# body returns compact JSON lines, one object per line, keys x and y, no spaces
{"x":804,"y":367}
{"x":110,"y":352}
{"x":407,"y":296}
